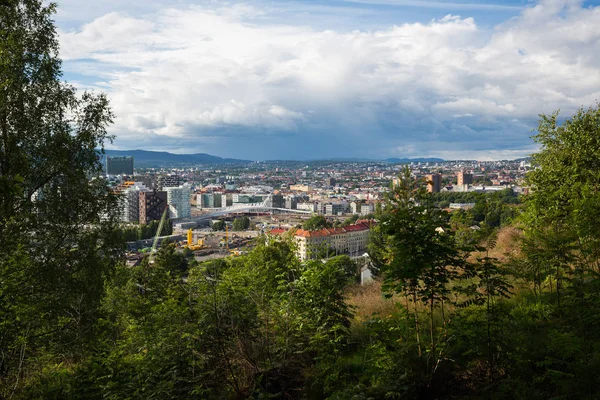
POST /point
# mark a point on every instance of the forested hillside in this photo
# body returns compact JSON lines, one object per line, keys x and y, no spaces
{"x":505,"y":311}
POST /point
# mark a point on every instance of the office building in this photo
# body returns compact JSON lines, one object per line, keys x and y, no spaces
{"x":276,"y":201}
{"x":291,"y":202}
{"x":119,"y":165}
{"x":211,"y":200}
{"x":335,"y":208}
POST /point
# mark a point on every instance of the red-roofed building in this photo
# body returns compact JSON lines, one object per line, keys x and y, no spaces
{"x":351,"y":239}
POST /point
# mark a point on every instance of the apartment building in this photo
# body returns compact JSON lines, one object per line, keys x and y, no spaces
{"x":178,"y":199}
{"x":352,"y":239}
{"x":152,"y":206}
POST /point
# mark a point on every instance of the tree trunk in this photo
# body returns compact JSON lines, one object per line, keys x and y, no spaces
{"x":414,"y":294}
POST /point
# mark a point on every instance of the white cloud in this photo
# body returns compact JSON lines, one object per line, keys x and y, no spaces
{"x":183,"y":72}
{"x":437,"y":4}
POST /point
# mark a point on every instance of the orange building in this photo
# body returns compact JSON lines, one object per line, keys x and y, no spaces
{"x":434,"y":183}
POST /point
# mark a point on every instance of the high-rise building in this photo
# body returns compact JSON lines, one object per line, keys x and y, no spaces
{"x":178,"y":199}
{"x":434,"y":183}
{"x":330,"y":182}
{"x":130,"y":202}
{"x":152,"y":206}
{"x":119,"y":165}
{"x":291,"y":202}
{"x":464,"y":178}
{"x":276,"y":201}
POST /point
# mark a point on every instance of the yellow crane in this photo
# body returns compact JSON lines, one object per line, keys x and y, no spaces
{"x":190,"y":241}
{"x":225,"y":241}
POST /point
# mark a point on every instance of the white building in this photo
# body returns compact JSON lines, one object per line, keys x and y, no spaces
{"x":367,"y":208}
{"x":129,"y":204}
{"x":178,"y":199}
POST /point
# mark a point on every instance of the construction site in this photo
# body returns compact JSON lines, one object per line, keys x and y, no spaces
{"x":203,"y":243}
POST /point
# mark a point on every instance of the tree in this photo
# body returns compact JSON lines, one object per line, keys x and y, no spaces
{"x":218,"y":226}
{"x":565,"y":192}
{"x":315,"y":223}
{"x":241,"y":224}
{"x":351,"y":220}
{"x":416,"y":250}
{"x":488,"y":283}
{"x":320,"y":300}
{"x":57,"y":241}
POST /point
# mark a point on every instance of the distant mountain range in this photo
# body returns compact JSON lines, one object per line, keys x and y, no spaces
{"x":156,"y":159}
{"x":409,"y":160}
{"x":387,"y":160}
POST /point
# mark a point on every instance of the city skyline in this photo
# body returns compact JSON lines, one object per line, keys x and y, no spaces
{"x":313,"y":80}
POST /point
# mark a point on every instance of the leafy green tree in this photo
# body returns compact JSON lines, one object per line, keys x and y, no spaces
{"x":319,"y":298}
{"x":218,"y":226}
{"x":565,"y":192}
{"x":316,"y":222}
{"x":488,"y":284}
{"x":57,"y":242}
{"x":350,"y":220}
{"x":418,"y":254}
{"x":346,"y":264}
{"x":241,"y":224}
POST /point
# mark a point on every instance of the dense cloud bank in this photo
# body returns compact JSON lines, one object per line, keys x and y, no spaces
{"x":207,"y":79}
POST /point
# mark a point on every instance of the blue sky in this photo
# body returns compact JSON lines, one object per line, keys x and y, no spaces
{"x":345,"y":78}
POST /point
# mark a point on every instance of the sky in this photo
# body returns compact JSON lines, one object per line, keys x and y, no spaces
{"x":303,"y":80}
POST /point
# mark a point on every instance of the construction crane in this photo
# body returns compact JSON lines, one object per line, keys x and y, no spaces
{"x":160,"y":226}
{"x":225,"y":241}
{"x":190,"y":241}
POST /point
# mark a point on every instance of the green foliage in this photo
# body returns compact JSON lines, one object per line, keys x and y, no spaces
{"x":55,"y":248}
{"x":144,"y":231}
{"x":316,"y":222}
{"x":417,"y":253}
{"x":319,"y":297}
{"x":75,"y":323}
{"x":218,"y":225}
{"x":350,"y":220}
{"x":241,"y":224}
